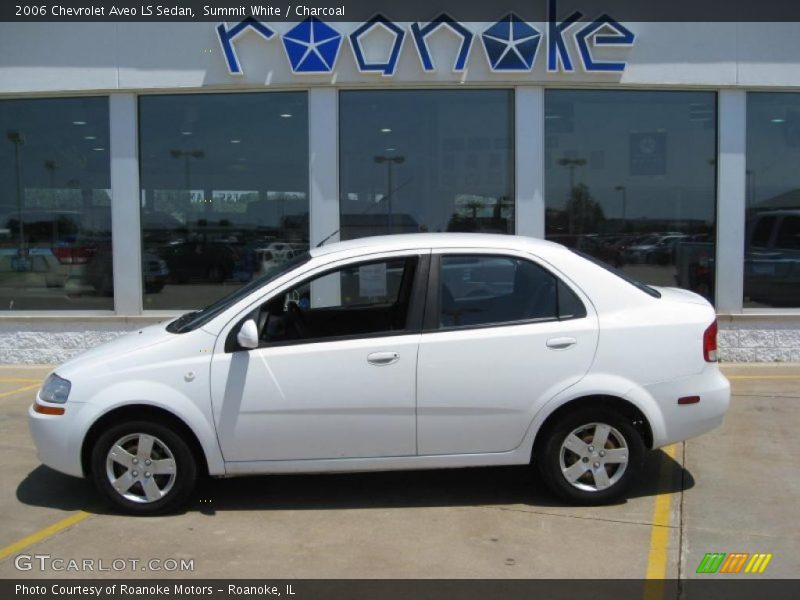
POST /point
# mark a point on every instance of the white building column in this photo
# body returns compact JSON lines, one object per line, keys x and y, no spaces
{"x":529,"y":160}
{"x":126,"y":231}
{"x":731,"y":189}
{"x":323,"y":150}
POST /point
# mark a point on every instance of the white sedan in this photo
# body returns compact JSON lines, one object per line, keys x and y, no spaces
{"x":400,"y":352}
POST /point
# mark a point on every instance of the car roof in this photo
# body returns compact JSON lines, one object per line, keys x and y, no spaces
{"x":411,"y":241}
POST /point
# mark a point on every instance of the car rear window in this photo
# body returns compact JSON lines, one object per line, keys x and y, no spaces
{"x":621,"y":274}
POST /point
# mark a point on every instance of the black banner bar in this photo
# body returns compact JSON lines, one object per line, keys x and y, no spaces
{"x":397,"y":10}
{"x":708,"y":588}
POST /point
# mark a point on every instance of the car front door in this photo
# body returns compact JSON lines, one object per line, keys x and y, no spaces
{"x":334,"y":375}
{"x":503,"y":334}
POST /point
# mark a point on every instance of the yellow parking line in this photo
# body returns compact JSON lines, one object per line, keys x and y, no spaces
{"x":18,"y":390}
{"x":43,"y":534}
{"x":18,"y":380}
{"x":763,"y":376}
{"x":659,"y":532}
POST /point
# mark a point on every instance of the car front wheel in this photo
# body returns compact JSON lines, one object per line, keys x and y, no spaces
{"x":590,"y":456}
{"x":143,"y":468}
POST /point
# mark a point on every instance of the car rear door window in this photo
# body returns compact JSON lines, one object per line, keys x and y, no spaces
{"x":476,"y":290}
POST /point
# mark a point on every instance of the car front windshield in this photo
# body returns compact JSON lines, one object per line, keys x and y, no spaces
{"x":192,"y":320}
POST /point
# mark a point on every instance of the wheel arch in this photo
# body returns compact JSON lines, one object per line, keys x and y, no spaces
{"x":147,"y":412}
{"x":612,"y":402}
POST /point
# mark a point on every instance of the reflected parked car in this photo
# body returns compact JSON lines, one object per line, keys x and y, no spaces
{"x":277,"y":253}
{"x":666,"y":249}
{"x":772,"y":259}
{"x":58,"y":246}
{"x":100,"y":275}
{"x":606,"y":249}
{"x":213,"y":261}
{"x":655,"y":249}
{"x":266,"y":260}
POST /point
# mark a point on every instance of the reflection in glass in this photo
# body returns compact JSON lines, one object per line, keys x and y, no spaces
{"x":55,"y":212}
{"x":631,"y":179}
{"x":224,"y":192}
{"x":363,"y":299}
{"x":772,"y":235}
{"x":433,"y":160}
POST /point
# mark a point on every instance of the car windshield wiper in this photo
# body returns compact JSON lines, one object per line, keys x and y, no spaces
{"x":177,"y":325}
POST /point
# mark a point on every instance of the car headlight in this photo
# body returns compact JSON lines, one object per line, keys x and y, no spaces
{"x":55,"y":389}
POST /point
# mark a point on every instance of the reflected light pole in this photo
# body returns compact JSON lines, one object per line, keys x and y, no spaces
{"x":390,"y":161}
{"x":50,"y":165}
{"x":571,"y":164}
{"x":624,"y":191}
{"x":186,"y":155}
{"x":16,"y":138}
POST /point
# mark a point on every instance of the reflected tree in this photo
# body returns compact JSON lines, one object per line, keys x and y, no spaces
{"x":584,"y":213}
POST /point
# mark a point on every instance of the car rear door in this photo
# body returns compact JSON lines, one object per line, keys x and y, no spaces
{"x":503,"y":334}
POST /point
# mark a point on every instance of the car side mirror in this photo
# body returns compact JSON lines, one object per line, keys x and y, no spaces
{"x":248,"y":335}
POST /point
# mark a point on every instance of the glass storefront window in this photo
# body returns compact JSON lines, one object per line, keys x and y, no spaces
{"x":630,"y":178}
{"x":426,"y":160}
{"x":772,"y":232}
{"x":55,"y":209}
{"x":224,"y":182}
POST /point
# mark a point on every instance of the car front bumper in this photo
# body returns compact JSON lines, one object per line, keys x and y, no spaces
{"x":58,"y":438}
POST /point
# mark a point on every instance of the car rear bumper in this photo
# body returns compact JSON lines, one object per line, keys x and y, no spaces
{"x":684,"y":421}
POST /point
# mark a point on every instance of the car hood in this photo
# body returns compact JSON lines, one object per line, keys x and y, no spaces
{"x":680,"y":295}
{"x":128,"y":343}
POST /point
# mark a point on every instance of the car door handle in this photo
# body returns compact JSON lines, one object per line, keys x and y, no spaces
{"x":383,"y":358}
{"x":561,"y":343}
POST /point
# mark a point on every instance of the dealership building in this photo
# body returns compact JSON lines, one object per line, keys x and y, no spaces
{"x":149,"y":168}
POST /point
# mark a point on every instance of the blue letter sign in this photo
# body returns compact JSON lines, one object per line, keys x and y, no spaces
{"x":226,"y":37}
{"x":603,"y":31}
{"x":312,"y":46}
{"x":390,"y":65}
{"x":420,"y":33}
{"x":511,"y":45}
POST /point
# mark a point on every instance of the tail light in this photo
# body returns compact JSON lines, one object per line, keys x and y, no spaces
{"x":710,"y":343}
{"x":78,"y":255}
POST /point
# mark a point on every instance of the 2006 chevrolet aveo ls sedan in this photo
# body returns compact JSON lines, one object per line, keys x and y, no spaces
{"x":400,"y":352}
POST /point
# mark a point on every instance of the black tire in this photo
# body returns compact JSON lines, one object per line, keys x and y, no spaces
{"x":548,"y":456}
{"x":185,"y":474}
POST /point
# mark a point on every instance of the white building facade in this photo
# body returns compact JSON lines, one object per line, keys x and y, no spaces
{"x":147,"y":169}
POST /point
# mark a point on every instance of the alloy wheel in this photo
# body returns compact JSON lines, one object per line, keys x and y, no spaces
{"x":593,"y":457}
{"x":141,"y":468}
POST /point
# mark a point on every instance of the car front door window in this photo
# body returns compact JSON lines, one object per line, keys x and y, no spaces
{"x":363,"y":299}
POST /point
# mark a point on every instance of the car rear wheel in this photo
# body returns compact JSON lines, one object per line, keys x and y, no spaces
{"x":143,"y":468}
{"x":590,"y":456}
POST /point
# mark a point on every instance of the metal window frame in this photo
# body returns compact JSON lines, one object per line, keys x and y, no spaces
{"x":731,"y":189}
{"x":126,"y":229}
{"x":323,"y":120}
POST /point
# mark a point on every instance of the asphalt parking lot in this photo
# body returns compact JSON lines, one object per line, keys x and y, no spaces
{"x":733,"y":490}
